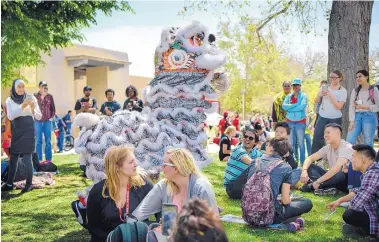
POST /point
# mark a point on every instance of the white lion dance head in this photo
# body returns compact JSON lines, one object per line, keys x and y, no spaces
{"x":176,"y":103}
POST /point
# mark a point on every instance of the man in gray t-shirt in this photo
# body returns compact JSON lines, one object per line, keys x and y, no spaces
{"x":338,"y":153}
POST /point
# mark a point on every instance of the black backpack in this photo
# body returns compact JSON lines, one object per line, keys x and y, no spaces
{"x":129,"y":232}
{"x":20,"y":174}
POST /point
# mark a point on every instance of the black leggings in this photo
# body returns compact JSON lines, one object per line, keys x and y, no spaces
{"x":356,"y":218}
{"x":13,"y":166}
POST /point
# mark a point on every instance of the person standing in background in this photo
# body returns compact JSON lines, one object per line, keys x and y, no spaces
{"x":236,"y":123}
{"x":110,"y":106}
{"x":67,"y":120}
{"x":295,"y":104}
{"x":43,"y":126}
{"x":22,"y":110}
{"x":331,"y":99}
{"x":87,"y":104}
{"x":278,"y":113}
{"x":132,"y":103}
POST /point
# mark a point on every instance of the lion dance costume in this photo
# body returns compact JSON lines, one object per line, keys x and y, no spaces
{"x":176,"y":103}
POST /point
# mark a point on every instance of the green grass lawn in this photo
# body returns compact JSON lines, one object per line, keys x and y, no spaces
{"x":46,"y":215}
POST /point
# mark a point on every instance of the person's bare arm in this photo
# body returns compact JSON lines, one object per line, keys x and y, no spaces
{"x":225,"y":149}
{"x":246,"y":159}
{"x":308,"y":161}
{"x":286,"y":197}
{"x":334,"y":170}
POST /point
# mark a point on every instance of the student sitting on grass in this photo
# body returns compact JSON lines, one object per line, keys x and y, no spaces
{"x":111,"y":201}
{"x":281,"y":178}
{"x":283,"y":130}
{"x":338,"y":152}
{"x":226,"y":143}
{"x":237,"y":167}
{"x":362,"y":217}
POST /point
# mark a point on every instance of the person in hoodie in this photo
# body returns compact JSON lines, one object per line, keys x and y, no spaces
{"x":295,"y":105}
{"x":281,"y":178}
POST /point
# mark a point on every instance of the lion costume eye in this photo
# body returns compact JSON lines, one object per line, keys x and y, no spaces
{"x":178,"y":59}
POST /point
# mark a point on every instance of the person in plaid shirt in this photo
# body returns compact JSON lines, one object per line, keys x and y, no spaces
{"x":362,"y":217}
{"x":44,"y":126}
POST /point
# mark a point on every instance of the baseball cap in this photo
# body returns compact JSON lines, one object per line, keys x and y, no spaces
{"x":42,"y":83}
{"x":296,"y":81}
{"x":87,"y":88}
{"x":226,"y":113}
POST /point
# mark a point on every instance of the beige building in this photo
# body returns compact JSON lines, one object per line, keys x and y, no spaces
{"x":69,"y":69}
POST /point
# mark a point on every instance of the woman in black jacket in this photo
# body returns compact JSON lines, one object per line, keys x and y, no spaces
{"x":111,"y":201}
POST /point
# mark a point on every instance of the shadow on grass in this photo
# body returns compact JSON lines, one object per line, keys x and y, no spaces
{"x":5,"y":196}
{"x":75,"y":236}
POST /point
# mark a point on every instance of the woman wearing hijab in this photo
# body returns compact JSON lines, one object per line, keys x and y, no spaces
{"x":22,"y":110}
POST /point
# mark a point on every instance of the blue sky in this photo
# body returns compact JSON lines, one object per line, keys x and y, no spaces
{"x":138,"y":34}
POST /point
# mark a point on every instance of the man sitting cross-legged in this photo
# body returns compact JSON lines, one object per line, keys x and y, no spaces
{"x":283,"y":130}
{"x":362,"y":217}
{"x":236,"y":171}
{"x":338,"y":153}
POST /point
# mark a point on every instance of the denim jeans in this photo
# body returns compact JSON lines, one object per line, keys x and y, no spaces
{"x":308,"y":143}
{"x":318,"y":137}
{"x":366,"y":123}
{"x":43,"y":128}
{"x":294,"y":210}
{"x":68,"y":131}
{"x":297,"y":135}
{"x":60,"y":140}
{"x":296,"y":173}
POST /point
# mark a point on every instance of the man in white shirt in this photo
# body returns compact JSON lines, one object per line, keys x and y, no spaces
{"x":338,"y":153}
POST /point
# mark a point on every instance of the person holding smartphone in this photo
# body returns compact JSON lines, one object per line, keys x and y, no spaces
{"x":111,"y":201}
{"x":22,"y":111}
{"x":331,"y":99}
{"x":364,"y":104}
{"x":132,"y":103}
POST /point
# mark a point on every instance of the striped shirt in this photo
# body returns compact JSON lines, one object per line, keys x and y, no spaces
{"x":235,"y":166}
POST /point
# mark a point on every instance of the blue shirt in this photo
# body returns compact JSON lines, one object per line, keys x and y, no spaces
{"x":235,"y":166}
{"x":279,"y":175}
{"x":113,"y":106}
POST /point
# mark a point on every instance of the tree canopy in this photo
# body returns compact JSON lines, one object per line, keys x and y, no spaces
{"x":29,"y":28}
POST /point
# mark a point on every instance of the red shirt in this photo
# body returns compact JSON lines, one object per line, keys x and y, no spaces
{"x":293,"y":100}
{"x":236,"y":123}
{"x":222,"y":124}
{"x":46,"y":105}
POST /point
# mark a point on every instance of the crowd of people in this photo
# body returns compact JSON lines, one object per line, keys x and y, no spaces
{"x":127,"y":195}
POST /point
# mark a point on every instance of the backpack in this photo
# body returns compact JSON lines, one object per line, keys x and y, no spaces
{"x":257,"y":199}
{"x":370,"y":91}
{"x":129,"y":232}
{"x":48,"y":167}
{"x":20,"y":173}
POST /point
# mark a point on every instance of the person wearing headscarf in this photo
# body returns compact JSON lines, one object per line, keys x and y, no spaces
{"x":22,"y":110}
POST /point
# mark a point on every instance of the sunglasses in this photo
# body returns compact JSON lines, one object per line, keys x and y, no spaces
{"x":249,"y":137}
{"x":168,"y":164}
{"x":296,"y":85}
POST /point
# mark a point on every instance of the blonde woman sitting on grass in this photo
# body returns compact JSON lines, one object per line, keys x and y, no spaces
{"x":112,"y":200}
{"x":182,"y":182}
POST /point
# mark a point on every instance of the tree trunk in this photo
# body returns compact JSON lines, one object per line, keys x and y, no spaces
{"x":349,"y":30}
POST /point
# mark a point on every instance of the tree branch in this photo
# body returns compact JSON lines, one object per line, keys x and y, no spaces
{"x":271,"y":17}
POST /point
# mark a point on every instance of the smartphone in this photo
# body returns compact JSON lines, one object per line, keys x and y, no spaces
{"x":324,"y":88}
{"x":169,"y":212}
{"x":29,"y":96}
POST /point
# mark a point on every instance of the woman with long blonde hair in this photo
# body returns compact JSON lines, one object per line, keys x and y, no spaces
{"x":182,"y":182}
{"x":111,"y":201}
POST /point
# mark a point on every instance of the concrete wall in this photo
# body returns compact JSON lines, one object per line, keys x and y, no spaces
{"x":97,"y":78}
{"x":140,"y":82}
{"x":118,"y":80}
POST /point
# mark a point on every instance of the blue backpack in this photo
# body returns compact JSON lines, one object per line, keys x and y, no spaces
{"x":129,"y":232}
